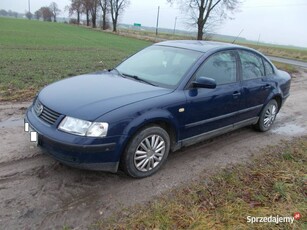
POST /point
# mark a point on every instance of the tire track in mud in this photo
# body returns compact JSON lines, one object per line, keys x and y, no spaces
{"x":24,"y":167}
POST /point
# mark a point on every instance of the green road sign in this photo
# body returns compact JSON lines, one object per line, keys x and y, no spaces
{"x":137,"y":24}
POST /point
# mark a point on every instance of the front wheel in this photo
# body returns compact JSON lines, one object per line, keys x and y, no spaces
{"x":146,"y":152}
{"x":267,"y":116}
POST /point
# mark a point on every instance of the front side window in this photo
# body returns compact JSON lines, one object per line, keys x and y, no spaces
{"x":221,"y":67}
{"x":160,"y":65}
{"x":252,"y":66}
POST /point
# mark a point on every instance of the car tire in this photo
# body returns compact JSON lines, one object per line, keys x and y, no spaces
{"x":267,"y":116}
{"x":146,"y":152}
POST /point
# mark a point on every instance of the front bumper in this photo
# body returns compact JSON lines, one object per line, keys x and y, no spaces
{"x":101,"y":154}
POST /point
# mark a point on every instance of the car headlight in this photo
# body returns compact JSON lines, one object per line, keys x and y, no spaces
{"x":98,"y":129}
{"x":84,"y":128}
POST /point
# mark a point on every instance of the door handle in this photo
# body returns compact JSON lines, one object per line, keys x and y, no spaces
{"x":267,"y":86}
{"x":236,"y":94}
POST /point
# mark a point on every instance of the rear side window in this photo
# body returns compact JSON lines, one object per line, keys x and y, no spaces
{"x":268,"y":68}
{"x":252,"y":65}
{"x":221,"y":67}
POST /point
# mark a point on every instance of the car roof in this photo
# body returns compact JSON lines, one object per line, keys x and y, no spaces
{"x":202,"y":46}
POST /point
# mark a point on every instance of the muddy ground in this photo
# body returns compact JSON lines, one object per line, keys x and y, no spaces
{"x":36,"y":192}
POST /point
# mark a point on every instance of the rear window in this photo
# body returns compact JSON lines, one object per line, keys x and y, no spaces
{"x":252,"y":65}
{"x":268,"y":68}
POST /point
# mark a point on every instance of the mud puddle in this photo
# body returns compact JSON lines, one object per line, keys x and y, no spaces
{"x":290,"y":129}
{"x":12,"y":122}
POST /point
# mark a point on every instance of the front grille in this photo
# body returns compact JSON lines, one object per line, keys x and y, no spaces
{"x":44,"y":113}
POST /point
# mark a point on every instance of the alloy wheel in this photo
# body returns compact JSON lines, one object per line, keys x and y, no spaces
{"x":149,"y":153}
{"x":269,"y":116}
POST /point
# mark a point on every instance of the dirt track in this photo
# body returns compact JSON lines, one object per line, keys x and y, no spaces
{"x":37,"y":192}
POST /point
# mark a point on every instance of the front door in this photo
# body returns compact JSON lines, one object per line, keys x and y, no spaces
{"x":211,"y":109}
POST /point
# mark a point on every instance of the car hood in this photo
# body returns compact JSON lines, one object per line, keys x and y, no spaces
{"x":90,"y":96}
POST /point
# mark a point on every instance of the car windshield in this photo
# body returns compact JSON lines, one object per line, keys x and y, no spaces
{"x":159,"y":65}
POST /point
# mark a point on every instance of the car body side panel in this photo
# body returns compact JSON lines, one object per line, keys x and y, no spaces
{"x":128,"y":120}
{"x":209,"y":109}
{"x":255,"y":92}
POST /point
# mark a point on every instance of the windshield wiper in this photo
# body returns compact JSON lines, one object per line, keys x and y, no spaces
{"x":117,"y":71}
{"x":137,"y":78}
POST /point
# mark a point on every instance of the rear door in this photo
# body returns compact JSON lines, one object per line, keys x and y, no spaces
{"x":256,"y":87}
{"x":210,"y":109}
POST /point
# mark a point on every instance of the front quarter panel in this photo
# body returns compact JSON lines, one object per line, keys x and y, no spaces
{"x":127,"y":120}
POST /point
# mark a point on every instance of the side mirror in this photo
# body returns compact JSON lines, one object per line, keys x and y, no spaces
{"x":204,"y":82}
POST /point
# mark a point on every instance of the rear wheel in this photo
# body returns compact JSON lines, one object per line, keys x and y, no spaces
{"x":267,"y":116}
{"x":146,"y":152}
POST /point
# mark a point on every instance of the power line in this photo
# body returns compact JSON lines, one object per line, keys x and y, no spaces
{"x":284,"y":5}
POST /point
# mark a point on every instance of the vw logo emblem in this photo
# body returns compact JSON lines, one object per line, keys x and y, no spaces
{"x":40,"y":110}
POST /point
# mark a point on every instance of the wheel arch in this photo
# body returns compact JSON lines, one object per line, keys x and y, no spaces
{"x":168,"y":123}
{"x":278,"y":99}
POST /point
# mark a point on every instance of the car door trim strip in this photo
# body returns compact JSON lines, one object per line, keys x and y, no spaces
{"x":216,"y":132}
{"x":222,"y":116}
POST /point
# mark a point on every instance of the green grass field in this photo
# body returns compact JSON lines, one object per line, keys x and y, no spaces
{"x":292,"y":52}
{"x":35,"y":53}
{"x":279,"y":51}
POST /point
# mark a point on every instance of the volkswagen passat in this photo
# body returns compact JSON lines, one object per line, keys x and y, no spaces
{"x":169,"y":95}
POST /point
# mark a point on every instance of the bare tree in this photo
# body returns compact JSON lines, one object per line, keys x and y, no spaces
{"x":90,"y":9}
{"x":29,"y":15}
{"x":116,"y":7}
{"x":86,"y":9}
{"x":12,"y":14}
{"x":93,"y":11}
{"x":55,"y":10}
{"x":3,"y":13}
{"x":75,"y":7}
{"x":46,"y":13}
{"x":38,"y":14}
{"x":104,"y":4}
{"x":206,"y":13}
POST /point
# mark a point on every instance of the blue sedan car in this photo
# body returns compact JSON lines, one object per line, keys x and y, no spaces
{"x":169,"y":95}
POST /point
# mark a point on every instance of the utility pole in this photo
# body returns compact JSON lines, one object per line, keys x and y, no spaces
{"x":28,"y":14}
{"x":157,"y":20}
{"x":258,"y":40}
{"x":175,"y":26}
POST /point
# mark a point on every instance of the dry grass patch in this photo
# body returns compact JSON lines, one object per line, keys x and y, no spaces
{"x":273,"y":184}
{"x":286,"y":67}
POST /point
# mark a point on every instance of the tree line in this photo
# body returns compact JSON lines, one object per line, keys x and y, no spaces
{"x":202,"y":14}
{"x":47,"y":13}
{"x":8,"y":13}
{"x":90,"y":8}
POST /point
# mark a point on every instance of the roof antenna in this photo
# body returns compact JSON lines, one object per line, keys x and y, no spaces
{"x":233,"y":42}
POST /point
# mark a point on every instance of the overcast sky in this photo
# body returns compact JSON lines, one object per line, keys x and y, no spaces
{"x":275,"y":21}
